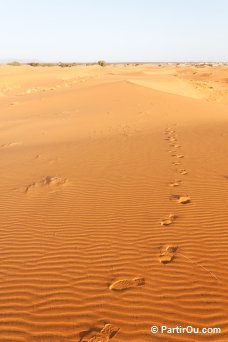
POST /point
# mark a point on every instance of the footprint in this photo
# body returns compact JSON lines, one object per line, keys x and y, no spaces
{"x":180,"y":156}
{"x":46,"y":181}
{"x":184,"y":199}
{"x":30,"y":186}
{"x":10,"y":144}
{"x":53,"y":181}
{"x":176,"y":163}
{"x":124,"y":284}
{"x":105,"y":335}
{"x":174,"y":144}
{"x":169,"y":220}
{"x":167,"y":254}
{"x":175,"y":183}
{"x":183,"y":172}
{"x":169,"y":130}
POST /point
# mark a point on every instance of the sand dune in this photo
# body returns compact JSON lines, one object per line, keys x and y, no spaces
{"x":169,"y":84}
{"x":113,"y":207}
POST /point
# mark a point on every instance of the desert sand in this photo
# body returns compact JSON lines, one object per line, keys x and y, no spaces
{"x":114,"y":202}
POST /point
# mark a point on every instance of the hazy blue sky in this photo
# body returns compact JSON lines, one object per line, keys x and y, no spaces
{"x":114,"y":30}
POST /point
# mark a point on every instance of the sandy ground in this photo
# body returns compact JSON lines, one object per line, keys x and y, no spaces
{"x":113,"y":206}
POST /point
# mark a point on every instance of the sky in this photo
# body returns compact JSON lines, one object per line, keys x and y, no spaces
{"x":114,"y":30}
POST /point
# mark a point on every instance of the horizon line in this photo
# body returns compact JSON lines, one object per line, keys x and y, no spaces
{"x":28,"y":61}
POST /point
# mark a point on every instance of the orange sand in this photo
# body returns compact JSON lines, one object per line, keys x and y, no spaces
{"x":114,"y":202}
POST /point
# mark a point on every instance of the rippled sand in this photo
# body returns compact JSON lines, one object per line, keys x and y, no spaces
{"x":114,"y":202}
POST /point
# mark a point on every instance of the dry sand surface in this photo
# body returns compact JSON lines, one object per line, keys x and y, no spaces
{"x":114,"y":202}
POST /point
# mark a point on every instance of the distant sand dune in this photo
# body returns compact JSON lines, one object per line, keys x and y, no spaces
{"x":169,"y":84}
